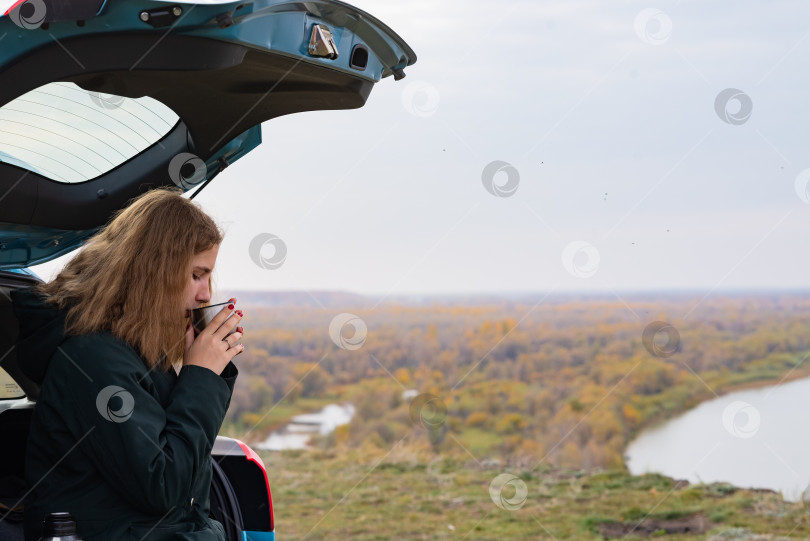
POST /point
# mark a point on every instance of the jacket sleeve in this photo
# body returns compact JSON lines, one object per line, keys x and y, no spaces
{"x":151,"y":455}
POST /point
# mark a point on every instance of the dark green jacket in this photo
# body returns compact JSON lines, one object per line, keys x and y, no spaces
{"x":126,"y":450}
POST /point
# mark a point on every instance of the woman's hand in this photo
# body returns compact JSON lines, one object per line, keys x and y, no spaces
{"x":210,"y":348}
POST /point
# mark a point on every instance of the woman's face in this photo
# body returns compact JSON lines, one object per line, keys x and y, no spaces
{"x":198,"y":273}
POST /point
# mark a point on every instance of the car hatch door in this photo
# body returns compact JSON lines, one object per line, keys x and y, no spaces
{"x":102,"y":100}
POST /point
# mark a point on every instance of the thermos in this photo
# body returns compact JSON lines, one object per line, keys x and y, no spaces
{"x":59,"y":527}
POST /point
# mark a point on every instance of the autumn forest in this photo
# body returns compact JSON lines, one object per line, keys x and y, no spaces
{"x":564,"y":381}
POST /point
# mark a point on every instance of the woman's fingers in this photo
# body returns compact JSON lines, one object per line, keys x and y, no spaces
{"x":233,"y":338}
{"x":229,"y":324}
{"x":219,"y":319}
{"x":236,"y":350}
{"x":214,"y":347}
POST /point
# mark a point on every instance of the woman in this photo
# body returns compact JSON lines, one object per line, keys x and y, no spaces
{"x":130,"y":401}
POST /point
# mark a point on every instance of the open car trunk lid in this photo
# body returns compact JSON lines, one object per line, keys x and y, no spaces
{"x":103,"y":100}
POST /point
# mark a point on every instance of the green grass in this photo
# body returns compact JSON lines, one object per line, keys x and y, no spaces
{"x":411,"y":494}
{"x":478,"y":441}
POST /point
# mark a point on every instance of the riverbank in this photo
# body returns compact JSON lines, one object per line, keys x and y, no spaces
{"x":408,"y":493}
{"x":759,"y":384}
{"x":719,"y":390}
{"x":299,"y":431}
{"x":720,"y":439}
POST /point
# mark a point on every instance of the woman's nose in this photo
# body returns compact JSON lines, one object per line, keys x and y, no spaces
{"x":203,"y":294}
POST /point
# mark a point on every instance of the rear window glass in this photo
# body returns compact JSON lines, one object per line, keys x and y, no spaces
{"x":71,"y":135}
{"x":8,"y":388}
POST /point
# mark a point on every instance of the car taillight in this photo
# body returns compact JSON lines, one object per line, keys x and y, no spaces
{"x":12,"y":6}
{"x":251,"y":455}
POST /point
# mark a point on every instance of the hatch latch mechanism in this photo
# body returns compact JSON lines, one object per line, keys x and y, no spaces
{"x":321,"y":42}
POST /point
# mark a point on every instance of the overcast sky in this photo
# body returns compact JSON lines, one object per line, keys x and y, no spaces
{"x":630,"y":172}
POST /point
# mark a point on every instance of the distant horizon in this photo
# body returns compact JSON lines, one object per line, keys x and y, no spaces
{"x":549,"y":293}
{"x":593,"y":292}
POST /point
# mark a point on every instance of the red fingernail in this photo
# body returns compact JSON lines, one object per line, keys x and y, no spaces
{"x":230,"y":307}
{"x":240,"y":329}
{"x":239,"y":312}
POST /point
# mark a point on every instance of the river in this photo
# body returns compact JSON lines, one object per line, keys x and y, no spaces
{"x":297,"y":433}
{"x":757,"y":438}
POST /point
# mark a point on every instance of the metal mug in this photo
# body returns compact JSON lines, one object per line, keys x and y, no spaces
{"x":201,"y":317}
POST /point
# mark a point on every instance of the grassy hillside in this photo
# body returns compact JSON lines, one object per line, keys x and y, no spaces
{"x":409,"y":494}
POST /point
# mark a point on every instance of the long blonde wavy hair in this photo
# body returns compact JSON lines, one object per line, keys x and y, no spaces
{"x":129,"y":278}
